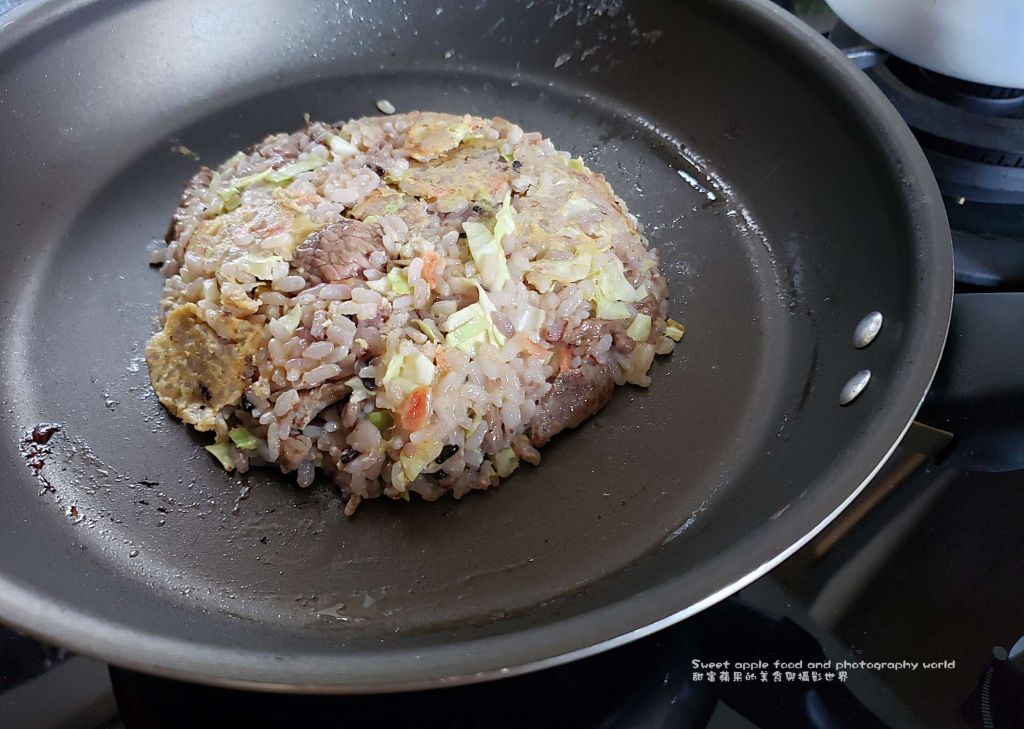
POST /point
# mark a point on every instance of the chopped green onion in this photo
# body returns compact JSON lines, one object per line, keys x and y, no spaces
{"x":674,"y":330}
{"x":640,"y":329}
{"x":398,"y":283}
{"x":242,"y":438}
{"x":381,"y":419}
{"x":222,"y":452}
{"x":505,"y":462}
{"x":477,"y":419}
{"x":576,"y":163}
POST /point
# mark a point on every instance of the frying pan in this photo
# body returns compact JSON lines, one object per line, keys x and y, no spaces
{"x":787,"y":200}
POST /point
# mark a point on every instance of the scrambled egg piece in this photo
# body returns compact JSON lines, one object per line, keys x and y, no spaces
{"x":432,"y":135}
{"x":194,"y":371}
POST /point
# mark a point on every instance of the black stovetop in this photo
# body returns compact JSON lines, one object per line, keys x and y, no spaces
{"x":909,"y":607}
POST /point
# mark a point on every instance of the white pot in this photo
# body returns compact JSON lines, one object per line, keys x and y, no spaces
{"x":974,"y":40}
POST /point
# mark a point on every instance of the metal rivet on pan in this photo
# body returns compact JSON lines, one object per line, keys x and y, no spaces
{"x":867,"y":330}
{"x":854,"y":387}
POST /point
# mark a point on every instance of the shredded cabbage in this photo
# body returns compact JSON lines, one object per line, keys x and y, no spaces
{"x":340,"y":148}
{"x":419,"y":369}
{"x":468,"y":334}
{"x":380,"y":285}
{"x":211,"y":292}
{"x":674,"y":330}
{"x":414,"y":464}
{"x":394,"y":368}
{"x":222,"y":452}
{"x":231,"y":195}
{"x":531,"y":321}
{"x":577,"y":206}
{"x":473,"y":325}
{"x":230,"y":198}
{"x":242,"y":438}
{"x":576,"y":163}
{"x":485,"y":246}
{"x":545,"y":271}
{"x":612,"y":290}
{"x":505,"y":462}
{"x":359,"y":391}
{"x":427,"y":329}
{"x":290,"y":321}
{"x":266,"y":268}
{"x":477,"y":419}
{"x":405,"y":372}
{"x":640,"y":329}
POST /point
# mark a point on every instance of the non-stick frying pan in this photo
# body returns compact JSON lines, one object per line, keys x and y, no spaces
{"x":786,"y":197}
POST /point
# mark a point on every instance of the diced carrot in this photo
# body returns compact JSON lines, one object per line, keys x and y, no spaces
{"x":564,"y":359}
{"x":536,"y":350}
{"x":416,"y":408}
{"x":442,"y":361}
{"x":430,"y":261}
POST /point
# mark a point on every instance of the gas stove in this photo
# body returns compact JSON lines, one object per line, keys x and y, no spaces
{"x":905,"y":612}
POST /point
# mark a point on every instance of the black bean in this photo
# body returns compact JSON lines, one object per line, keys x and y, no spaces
{"x":438,"y":475}
{"x":447,"y":452}
{"x":349,"y":456}
{"x":370,"y":383}
{"x":517,"y":165}
{"x":246,"y":405}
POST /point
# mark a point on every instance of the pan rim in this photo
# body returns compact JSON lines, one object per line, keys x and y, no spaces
{"x":175,"y":658}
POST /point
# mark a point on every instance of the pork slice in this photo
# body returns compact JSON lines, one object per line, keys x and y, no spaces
{"x":338,"y":252}
{"x":312,"y":402}
{"x":575,"y":395}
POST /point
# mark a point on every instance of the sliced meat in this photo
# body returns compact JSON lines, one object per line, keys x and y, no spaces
{"x":195,"y":371}
{"x":191,"y":201}
{"x":652,"y":306}
{"x":312,"y":402}
{"x":338,"y":252}
{"x":575,"y":396}
{"x":591,"y":330}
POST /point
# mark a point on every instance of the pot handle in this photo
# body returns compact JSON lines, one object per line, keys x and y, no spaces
{"x":978,"y":393}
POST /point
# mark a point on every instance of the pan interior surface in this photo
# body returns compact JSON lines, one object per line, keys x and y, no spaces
{"x":131,"y":541}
